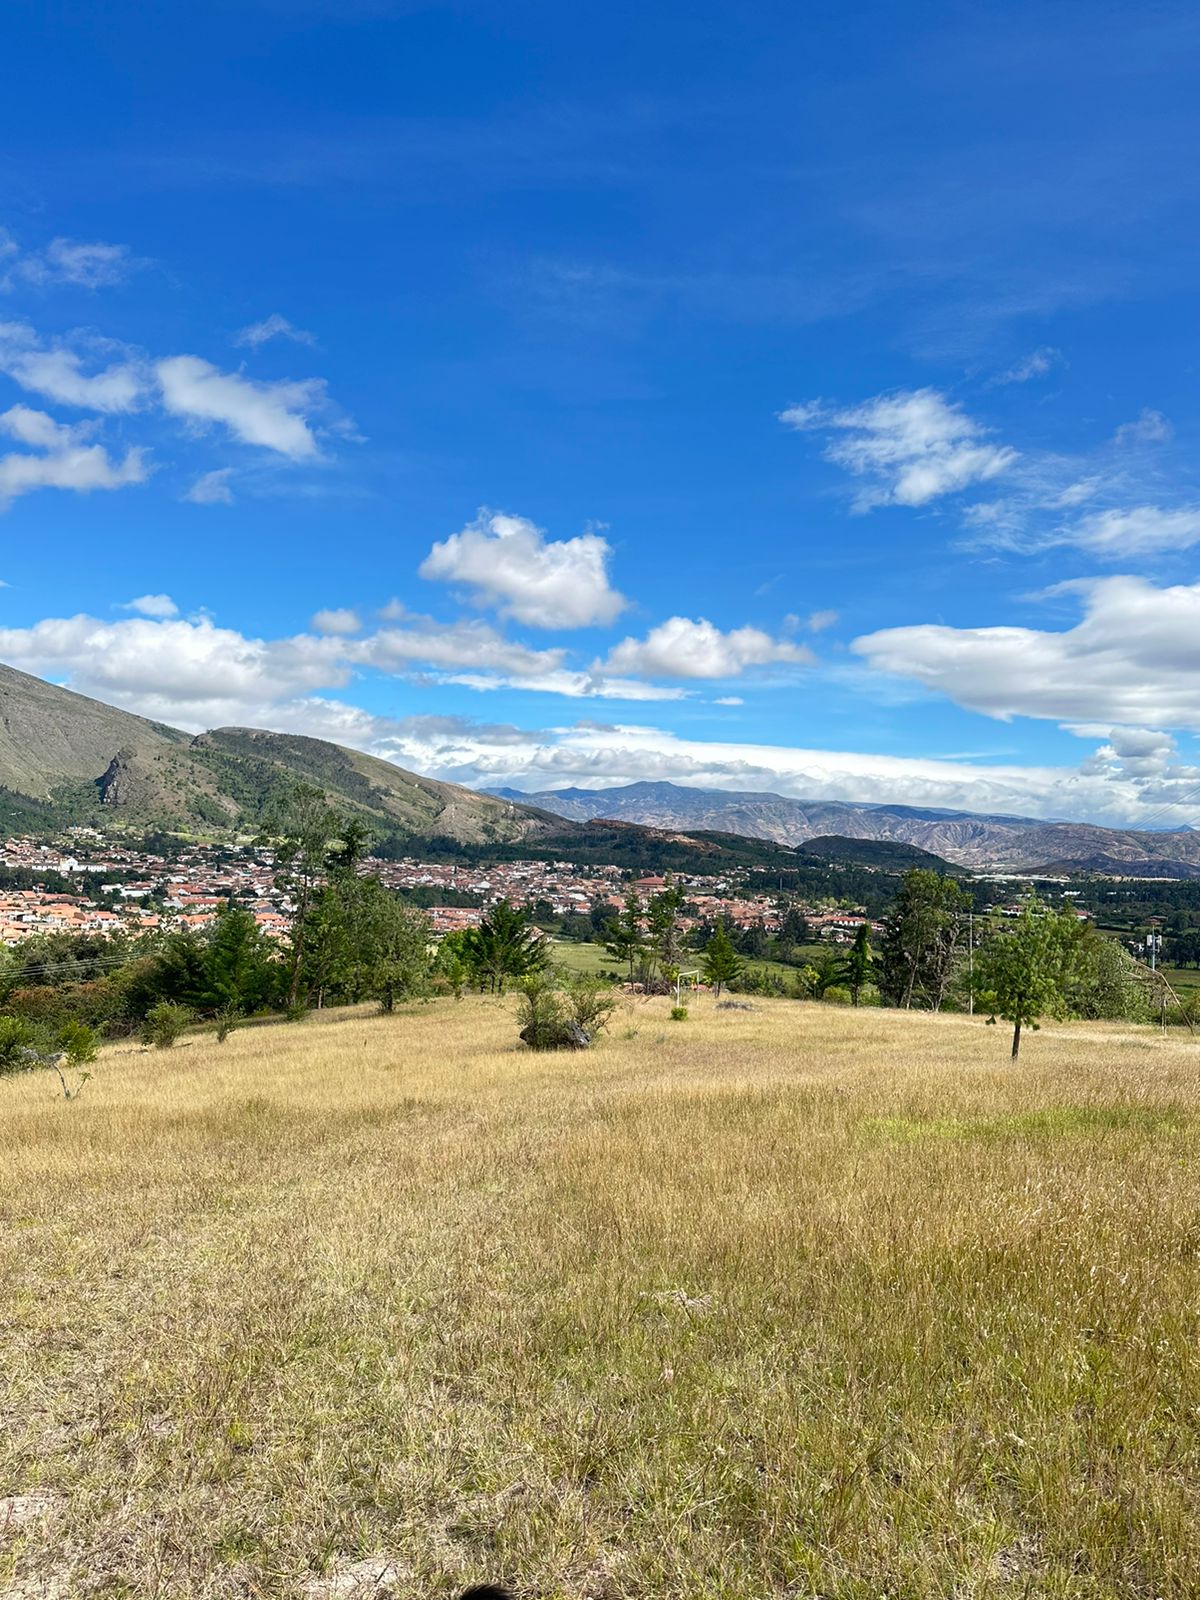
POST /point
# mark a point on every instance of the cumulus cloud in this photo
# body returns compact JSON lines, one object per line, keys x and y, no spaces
{"x":273,"y":415}
{"x":913,"y":446}
{"x":591,"y":755}
{"x":63,"y":458}
{"x":461,"y":646}
{"x":507,"y":563}
{"x":212,"y":488}
{"x":58,"y":373}
{"x":189,"y":672}
{"x":160,"y":606}
{"x":273,"y":327}
{"x":818,"y":621}
{"x":1133,"y":658}
{"x":685,"y":648}
{"x":194,"y":674}
{"x":337,"y":620}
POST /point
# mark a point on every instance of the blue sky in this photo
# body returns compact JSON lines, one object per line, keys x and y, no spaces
{"x":800,"y":398}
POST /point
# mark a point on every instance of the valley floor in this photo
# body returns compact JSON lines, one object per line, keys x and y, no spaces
{"x":790,"y":1302}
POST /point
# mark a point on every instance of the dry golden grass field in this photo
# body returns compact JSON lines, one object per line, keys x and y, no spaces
{"x":792,"y":1302}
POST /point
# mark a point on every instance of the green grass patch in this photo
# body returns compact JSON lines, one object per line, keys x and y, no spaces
{"x":1048,"y":1122}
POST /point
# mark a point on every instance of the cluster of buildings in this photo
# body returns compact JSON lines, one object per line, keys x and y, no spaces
{"x":127,"y":890}
{"x":85,"y":882}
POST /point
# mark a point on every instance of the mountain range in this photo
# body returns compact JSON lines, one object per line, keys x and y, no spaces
{"x":64,"y":757}
{"x":1018,"y":844}
{"x":67,"y":758}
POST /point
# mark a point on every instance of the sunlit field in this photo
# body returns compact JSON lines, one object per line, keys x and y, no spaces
{"x":795,"y":1301}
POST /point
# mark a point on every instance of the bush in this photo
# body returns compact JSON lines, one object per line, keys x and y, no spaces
{"x":836,"y":995}
{"x":678,"y":1013}
{"x":78,"y":1043}
{"x":16,"y":1044}
{"x":558,"y":1015}
{"x":806,"y":984}
{"x":227,"y":1020}
{"x":589,"y":1002}
{"x":164,"y":1023}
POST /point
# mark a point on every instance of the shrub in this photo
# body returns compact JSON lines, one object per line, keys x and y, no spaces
{"x":678,"y":1013}
{"x":558,"y":1015}
{"x":16,"y":1044}
{"x":227,"y":1020}
{"x":836,"y":995}
{"x":164,"y":1023}
{"x":78,"y":1043}
{"x":589,"y":1002}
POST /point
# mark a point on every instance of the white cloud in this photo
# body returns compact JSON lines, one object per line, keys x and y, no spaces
{"x":212,"y":488}
{"x":88,"y":265}
{"x":1151,"y":427}
{"x":1133,"y":658}
{"x":64,"y":460}
{"x":337,"y":620}
{"x":595,"y":756}
{"x":194,"y":674}
{"x":818,"y":621}
{"x":37,"y":429}
{"x":93,"y":266}
{"x":273,"y":415}
{"x":190,"y":673}
{"x":459,"y":646}
{"x":272,"y":327}
{"x":160,"y":606}
{"x":729,"y":700}
{"x":1141,"y":530}
{"x":1035,"y":365}
{"x":507,"y":563}
{"x":685,"y":648}
{"x":571,"y":685}
{"x":914,"y":446}
{"x":58,"y":373}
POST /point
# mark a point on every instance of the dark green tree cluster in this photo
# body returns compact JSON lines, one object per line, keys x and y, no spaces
{"x":924,"y":932}
{"x":506,"y":946}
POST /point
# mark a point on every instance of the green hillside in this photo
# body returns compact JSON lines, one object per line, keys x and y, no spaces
{"x":66,"y":758}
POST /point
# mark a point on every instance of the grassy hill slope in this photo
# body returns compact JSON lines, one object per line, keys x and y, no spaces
{"x":796,"y":1301}
{"x":64,"y":757}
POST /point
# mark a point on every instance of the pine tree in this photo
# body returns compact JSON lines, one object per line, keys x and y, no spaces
{"x":855,"y":969}
{"x":623,"y":934}
{"x":720,"y":962}
{"x":504,"y":945}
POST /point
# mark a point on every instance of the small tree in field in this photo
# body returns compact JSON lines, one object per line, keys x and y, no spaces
{"x":720,"y":962}
{"x":855,"y":969}
{"x":1023,"y":967}
{"x":623,"y":934}
{"x":164,"y":1023}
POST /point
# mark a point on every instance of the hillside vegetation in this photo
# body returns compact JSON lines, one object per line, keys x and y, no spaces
{"x":66,"y":758}
{"x":796,"y":1301}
